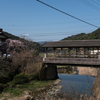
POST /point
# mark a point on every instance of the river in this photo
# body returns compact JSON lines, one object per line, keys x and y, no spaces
{"x":81,"y":84}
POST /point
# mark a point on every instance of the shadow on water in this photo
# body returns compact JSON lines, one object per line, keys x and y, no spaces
{"x":81,"y":84}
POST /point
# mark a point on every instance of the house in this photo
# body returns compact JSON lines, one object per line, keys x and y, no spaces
{"x":3,"y":48}
{"x":94,"y":51}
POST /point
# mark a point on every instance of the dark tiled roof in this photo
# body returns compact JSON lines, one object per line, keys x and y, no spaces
{"x":4,"y":35}
{"x":74,"y":43}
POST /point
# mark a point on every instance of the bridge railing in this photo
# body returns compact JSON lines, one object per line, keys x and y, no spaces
{"x":72,"y":52}
{"x":86,"y":61}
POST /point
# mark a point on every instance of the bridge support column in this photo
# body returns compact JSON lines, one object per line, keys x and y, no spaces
{"x":69,"y":52}
{"x":50,"y":72}
{"x":77,"y":50}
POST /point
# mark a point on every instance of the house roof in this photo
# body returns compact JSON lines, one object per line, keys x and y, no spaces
{"x":4,"y":35}
{"x":73,"y":43}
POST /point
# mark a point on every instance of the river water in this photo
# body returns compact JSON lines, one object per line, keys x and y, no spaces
{"x":82,"y":84}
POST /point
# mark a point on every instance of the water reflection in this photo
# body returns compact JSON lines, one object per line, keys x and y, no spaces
{"x":82,"y":84}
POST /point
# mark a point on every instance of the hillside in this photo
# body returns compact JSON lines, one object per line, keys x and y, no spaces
{"x":29,"y":44}
{"x":82,"y":36}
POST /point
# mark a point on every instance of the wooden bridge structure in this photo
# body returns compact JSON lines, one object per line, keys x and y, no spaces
{"x":71,"y":52}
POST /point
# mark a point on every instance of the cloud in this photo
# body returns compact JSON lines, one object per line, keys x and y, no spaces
{"x":25,"y":34}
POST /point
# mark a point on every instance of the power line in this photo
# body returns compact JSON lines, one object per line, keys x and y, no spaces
{"x":52,"y":35}
{"x":52,"y":23}
{"x":96,"y":2}
{"x":31,"y":29}
{"x":67,"y":14}
{"x":86,"y":2}
{"x":58,"y":33}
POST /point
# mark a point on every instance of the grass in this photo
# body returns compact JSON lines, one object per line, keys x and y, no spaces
{"x":19,"y":88}
{"x":49,"y":55}
{"x":61,"y":66}
{"x":41,"y":54}
{"x":22,"y":83}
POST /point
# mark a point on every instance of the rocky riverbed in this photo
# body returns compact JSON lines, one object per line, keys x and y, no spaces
{"x":52,"y":90}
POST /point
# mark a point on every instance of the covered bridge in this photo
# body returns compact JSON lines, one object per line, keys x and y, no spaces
{"x":70,"y":52}
{"x":74,"y":52}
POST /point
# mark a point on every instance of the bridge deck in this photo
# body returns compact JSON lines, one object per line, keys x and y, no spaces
{"x":72,"y":61}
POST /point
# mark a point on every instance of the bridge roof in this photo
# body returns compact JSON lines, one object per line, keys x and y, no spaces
{"x":73,"y":43}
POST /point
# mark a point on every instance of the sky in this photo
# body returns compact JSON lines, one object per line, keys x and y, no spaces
{"x":39,"y":22}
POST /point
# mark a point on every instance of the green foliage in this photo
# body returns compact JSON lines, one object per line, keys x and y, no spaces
{"x":20,"y":78}
{"x":7,"y":71}
{"x":82,"y":36}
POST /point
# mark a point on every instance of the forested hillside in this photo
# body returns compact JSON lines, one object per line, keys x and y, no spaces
{"x":82,"y":36}
{"x":30,"y":44}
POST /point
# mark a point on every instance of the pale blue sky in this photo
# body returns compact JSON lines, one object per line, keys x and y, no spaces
{"x":41,"y":23}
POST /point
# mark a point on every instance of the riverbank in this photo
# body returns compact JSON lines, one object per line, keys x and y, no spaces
{"x":95,"y":72}
{"x":96,"y":87}
{"x":34,"y":89}
{"x":87,"y":71}
{"x":77,"y":70}
{"x":40,"y":89}
{"x":44,"y":90}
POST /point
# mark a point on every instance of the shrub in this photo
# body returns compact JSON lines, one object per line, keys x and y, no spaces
{"x":1,"y":87}
{"x":20,"y":78}
{"x":7,"y":71}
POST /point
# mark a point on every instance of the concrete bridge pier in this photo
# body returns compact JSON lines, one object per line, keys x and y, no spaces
{"x":50,"y":72}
